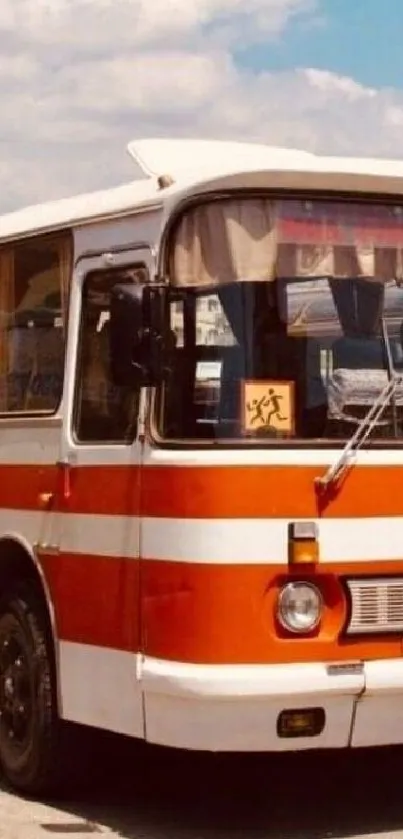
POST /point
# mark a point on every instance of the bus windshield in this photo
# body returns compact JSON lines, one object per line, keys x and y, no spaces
{"x":277,"y":310}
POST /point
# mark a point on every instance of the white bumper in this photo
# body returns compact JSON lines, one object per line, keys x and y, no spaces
{"x":236,"y":707}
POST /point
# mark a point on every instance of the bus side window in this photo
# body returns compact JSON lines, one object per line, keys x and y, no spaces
{"x":104,"y":412}
{"x":34,"y":288}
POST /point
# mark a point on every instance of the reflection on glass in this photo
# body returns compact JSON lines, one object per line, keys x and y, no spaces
{"x":280,"y":303}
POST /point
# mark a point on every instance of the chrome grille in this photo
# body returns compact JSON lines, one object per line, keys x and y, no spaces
{"x":376,"y":605}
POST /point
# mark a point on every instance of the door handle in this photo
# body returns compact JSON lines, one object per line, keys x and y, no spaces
{"x":46,"y":499}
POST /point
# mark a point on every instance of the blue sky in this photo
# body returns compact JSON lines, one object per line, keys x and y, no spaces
{"x":358,"y":38}
{"x":79,"y":79}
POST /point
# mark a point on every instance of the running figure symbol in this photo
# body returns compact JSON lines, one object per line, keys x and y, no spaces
{"x":272,"y":401}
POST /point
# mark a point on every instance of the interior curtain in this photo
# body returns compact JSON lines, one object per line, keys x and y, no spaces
{"x":255,"y":239}
{"x":359,"y":305}
{"x":310,"y":261}
{"x":341,"y":261}
{"x":225,"y":241}
{"x":343,"y":297}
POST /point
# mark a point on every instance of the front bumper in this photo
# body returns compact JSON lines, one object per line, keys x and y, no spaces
{"x":236,"y":707}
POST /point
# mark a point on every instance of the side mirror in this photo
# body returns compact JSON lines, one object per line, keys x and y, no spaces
{"x":138,"y":325}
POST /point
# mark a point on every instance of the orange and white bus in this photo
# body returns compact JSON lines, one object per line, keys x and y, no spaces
{"x":201,"y":457}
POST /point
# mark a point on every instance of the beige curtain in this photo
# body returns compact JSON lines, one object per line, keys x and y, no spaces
{"x":338,"y":261}
{"x":258,"y":239}
{"x":225,"y":241}
{"x":7,"y":306}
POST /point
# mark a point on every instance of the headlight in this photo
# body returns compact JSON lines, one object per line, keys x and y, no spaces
{"x":299,"y":607}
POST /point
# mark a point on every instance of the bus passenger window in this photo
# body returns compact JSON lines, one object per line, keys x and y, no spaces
{"x":34,"y":283}
{"x":104,"y":412}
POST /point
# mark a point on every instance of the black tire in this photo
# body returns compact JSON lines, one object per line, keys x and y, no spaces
{"x":30,"y":731}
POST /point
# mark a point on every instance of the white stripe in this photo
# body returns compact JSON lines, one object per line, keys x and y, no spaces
{"x":114,"y":536}
{"x":206,"y":541}
{"x":105,"y":454}
{"x":37,"y":444}
{"x":237,"y":707}
{"x":25,"y":525}
{"x":201,"y":707}
{"x":100,"y":535}
{"x":227,"y":707}
{"x":209,"y":681}
{"x":264,"y":541}
{"x":100,"y":687}
{"x":249,"y":456}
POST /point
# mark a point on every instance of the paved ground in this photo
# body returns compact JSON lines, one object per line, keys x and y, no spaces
{"x":155,"y":794}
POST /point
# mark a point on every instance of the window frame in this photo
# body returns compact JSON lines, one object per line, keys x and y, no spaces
{"x":166,"y":250}
{"x":117,"y":269}
{"x":63,"y":238}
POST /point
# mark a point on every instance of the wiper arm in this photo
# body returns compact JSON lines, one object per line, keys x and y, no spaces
{"x":361,"y":435}
{"x":390,"y":368}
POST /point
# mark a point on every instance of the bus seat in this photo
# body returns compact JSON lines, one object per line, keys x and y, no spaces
{"x":46,"y":384}
{"x":364,"y":353}
{"x":21,"y":367}
{"x":359,"y":376}
{"x":36,"y":363}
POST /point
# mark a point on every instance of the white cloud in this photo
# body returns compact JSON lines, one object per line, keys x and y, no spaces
{"x":154,"y":82}
{"x":80,"y":78}
{"x":394,"y":116}
{"x":98,"y":22}
{"x":330,"y":83}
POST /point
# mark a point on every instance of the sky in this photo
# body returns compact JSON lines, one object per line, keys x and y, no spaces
{"x":79,"y":79}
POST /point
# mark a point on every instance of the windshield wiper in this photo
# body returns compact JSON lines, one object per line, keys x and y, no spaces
{"x":361,"y":435}
{"x":391,"y":369}
{"x":367,"y":423}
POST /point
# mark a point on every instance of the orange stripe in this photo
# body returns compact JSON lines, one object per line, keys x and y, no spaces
{"x":96,"y":599}
{"x":21,"y":486}
{"x":200,"y":613}
{"x":205,"y":492}
{"x":103,"y":490}
{"x":269,"y":492}
{"x":226,"y":614}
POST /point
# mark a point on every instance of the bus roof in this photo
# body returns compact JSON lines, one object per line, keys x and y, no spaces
{"x":71,"y":212}
{"x":182,"y":163}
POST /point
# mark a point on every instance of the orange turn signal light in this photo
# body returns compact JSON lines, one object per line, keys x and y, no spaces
{"x":303,"y":544}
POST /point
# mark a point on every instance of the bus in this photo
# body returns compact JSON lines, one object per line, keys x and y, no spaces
{"x":201,"y":458}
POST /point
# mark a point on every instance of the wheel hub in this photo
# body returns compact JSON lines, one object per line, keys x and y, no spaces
{"x":8,"y":687}
{"x":15,"y":692}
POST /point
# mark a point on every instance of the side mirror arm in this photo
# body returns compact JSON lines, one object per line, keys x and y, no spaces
{"x":139,"y":323}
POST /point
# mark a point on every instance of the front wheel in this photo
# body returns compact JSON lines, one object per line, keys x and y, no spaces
{"x":29,"y":724}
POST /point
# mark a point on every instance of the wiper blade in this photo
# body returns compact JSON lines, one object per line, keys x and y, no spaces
{"x":364,"y":430}
{"x":390,"y":368}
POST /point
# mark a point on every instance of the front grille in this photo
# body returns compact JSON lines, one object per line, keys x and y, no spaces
{"x":376,"y":605}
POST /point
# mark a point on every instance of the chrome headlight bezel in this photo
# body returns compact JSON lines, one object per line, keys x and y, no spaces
{"x":289,"y":589}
